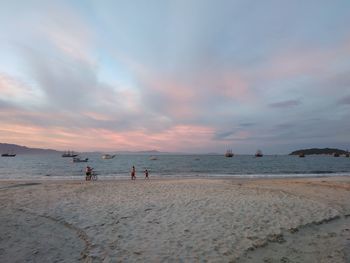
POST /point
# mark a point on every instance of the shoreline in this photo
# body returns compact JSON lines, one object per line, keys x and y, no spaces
{"x":184,"y":177}
{"x":176,"y":219}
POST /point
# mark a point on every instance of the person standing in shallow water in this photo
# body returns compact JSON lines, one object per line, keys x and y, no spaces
{"x":133,"y":173}
{"x":146,"y":174}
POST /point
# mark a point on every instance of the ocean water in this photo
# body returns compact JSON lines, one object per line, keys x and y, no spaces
{"x":55,"y":167}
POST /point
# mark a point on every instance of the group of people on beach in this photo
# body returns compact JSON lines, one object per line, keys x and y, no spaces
{"x":88,"y":173}
{"x":133,"y":173}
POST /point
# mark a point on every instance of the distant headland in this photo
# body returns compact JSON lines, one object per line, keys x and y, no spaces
{"x":19,"y":149}
{"x":311,"y":151}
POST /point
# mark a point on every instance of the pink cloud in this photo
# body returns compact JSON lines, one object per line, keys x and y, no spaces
{"x":312,"y":61}
{"x":174,"y":139}
{"x":180,"y":98}
{"x":178,"y":138}
{"x":68,"y":32}
{"x":98,"y":116}
{"x":12,"y":89}
{"x":34,"y":136}
{"x":185,"y":97}
{"x":290,"y":64}
{"x":228,"y":84}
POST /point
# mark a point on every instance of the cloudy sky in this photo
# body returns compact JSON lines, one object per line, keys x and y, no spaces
{"x":180,"y":75}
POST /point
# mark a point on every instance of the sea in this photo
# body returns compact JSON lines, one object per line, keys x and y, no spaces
{"x":53,"y":166}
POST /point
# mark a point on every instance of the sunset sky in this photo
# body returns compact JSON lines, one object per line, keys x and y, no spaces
{"x":192,"y":76}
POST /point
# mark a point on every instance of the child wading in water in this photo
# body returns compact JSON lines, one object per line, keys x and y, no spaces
{"x":146,"y":174}
{"x":133,"y":172}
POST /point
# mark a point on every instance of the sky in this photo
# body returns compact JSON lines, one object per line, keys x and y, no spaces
{"x":193,"y":76}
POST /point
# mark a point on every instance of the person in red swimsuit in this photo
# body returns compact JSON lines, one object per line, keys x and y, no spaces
{"x":133,"y":173}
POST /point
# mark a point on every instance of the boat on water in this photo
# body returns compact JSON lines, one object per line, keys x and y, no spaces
{"x":259,"y":153}
{"x":347,"y":155}
{"x":69,"y":154}
{"x":8,"y":155}
{"x":301,"y":155}
{"x":78,"y":160}
{"x":229,"y":153}
{"x":153,"y":158}
{"x":108,"y":156}
{"x":336,"y":154}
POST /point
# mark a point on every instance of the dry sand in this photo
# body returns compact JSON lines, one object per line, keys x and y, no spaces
{"x":176,"y":220}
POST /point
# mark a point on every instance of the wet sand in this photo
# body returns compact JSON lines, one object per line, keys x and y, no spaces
{"x":176,"y":220}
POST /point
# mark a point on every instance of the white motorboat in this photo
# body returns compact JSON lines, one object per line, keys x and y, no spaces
{"x":108,"y":156}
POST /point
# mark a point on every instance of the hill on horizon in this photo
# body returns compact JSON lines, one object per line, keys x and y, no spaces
{"x":319,"y":151}
{"x":19,"y":149}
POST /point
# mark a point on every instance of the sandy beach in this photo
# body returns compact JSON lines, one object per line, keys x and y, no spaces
{"x":176,"y":220}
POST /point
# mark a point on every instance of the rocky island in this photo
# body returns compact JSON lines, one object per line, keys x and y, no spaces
{"x":330,"y":151}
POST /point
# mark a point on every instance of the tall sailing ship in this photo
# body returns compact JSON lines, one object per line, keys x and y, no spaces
{"x":229,"y":153}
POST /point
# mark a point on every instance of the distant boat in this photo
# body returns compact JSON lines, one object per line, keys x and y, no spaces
{"x":69,"y":154}
{"x":153,"y":158}
{"x":259,"y":153}
{"x":8,"y":155}
{"x":347,"y":155}
{"x":336,"y":154}
{"x":78,"y":160}
{"x":301,"y":155}
{"x":108,"y":156}
{"x":229,"y":153}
